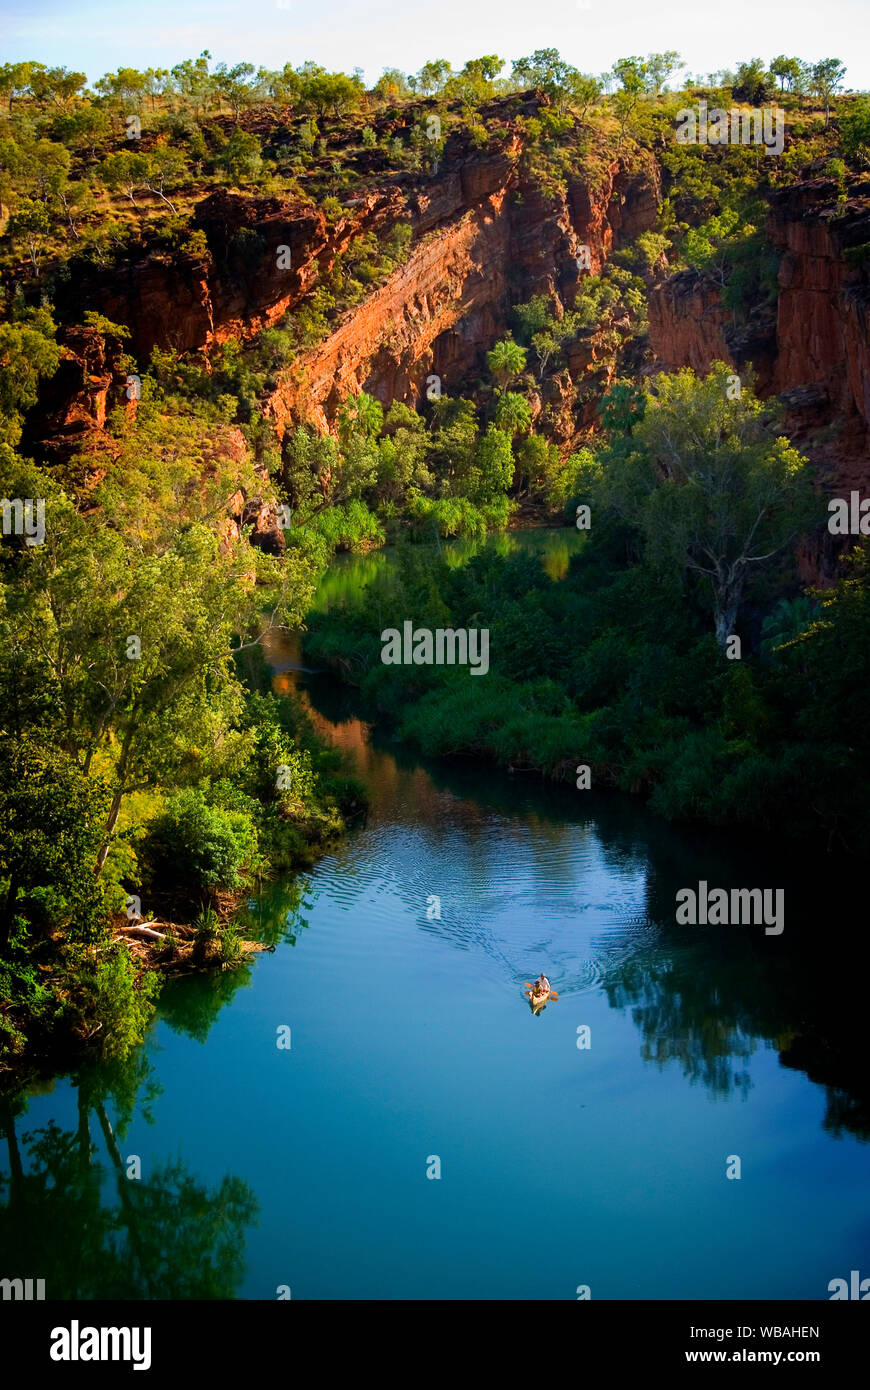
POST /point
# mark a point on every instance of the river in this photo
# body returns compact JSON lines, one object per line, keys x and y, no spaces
{"x":421,"y":1133}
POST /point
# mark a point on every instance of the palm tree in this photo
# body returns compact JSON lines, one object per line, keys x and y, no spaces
{"x":506,"y":360}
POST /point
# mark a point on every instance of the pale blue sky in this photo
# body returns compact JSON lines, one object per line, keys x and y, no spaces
{"x":96,"y":36}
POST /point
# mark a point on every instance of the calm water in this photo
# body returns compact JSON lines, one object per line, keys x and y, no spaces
{"x":411,"y":1040}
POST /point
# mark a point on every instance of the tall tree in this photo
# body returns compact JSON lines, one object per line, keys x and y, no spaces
{"x":827,"y":78}
{"x":713,"y":490}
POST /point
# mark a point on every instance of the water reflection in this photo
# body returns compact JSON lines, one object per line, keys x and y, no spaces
{"x":350,"y":576}
{"x":532,"y":877}
{"x":69,"y":1213}
{"x":702,"y":999}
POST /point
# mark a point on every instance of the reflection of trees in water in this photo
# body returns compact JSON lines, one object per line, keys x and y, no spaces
{"x":89,"y":1231}
{"x":709,"y":1007}
{"x":703,"y":999}
{"x":677,"y":1010}
{"x":190,"y":1004}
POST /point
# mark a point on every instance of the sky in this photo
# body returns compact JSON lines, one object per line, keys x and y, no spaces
{"x":97,"y":36}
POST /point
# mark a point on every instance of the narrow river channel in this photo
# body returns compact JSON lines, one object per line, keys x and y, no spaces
{"x":425,"y":1135}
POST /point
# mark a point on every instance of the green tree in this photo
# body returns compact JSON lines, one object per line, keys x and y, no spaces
{"x":241,"y":157}
{"x":433,"y":75}
{"x":83,"y":129}
{"x":195,"y":845}
{"x":233,"y":85}
{"x":283,"y":86}
{"x":15,"y":81}
{"x":50,"y":171}
{"x":660,"y":67}
{"x":494,"y":462}
{"x":165,"y":167}
{"x":360,"y":414}
{"x":134,"y":613}
{"x":474,"y":84}
{"x":324,"y":92}
{"x":127,"y":88}
{"x":632,"y":75}
{"x":124,"y":172}
{"x":392,"y":86}
{"x":192,"y":81}
{"x":51,"y":817}
{"x":583,"y":90}
{"x":31,"y":224}
{"x":538,"y":466}
{"x":753,"y":83}
{"x":506,"y":360}
{"x":28,"y":353}
{"x":827,"y":78}
{"x":545,"y":345}
{"x":309,"y":462}
{"x":712,"y":490}
{"x":544,"y":69}
{"x":57,"y":85}
{"x":512,"y":412}
{"x":788,"y":70}
{"x":855,"y":129}
{"x":534,"y":316}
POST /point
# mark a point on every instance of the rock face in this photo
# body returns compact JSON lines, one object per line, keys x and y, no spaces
{"x":485,"y":240}
{"x":263,"y":256}
{"x":687,"y":324}
{"x":816,"y":354}
{"x":823,"y":324}
{"x":73,"y":403}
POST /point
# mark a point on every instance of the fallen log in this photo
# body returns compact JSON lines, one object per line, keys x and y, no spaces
{"x":144,"y":930}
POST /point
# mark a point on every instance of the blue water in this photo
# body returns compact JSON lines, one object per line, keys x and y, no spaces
{"x":411,"y":1040}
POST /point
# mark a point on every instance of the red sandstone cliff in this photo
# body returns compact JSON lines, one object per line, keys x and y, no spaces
{"x":485,"y":240}
{"x":240,"y":286}
{"x":73,"y":403}
{"x":816,"y":353}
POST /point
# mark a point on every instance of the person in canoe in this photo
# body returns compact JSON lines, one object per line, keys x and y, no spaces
{"x":540,"y":991}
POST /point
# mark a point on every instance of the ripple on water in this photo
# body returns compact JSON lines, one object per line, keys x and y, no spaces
{"x":518,"y":905}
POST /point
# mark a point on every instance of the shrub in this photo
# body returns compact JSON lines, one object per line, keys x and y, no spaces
{"x":199,"y":846}
{"x":123,"y":1010}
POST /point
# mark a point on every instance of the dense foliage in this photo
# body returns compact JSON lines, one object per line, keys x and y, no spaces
{"x":144,"y":756}
{"x":616,"y":665}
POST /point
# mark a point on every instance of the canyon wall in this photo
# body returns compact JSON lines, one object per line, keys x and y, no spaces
{"x":263,"y":257}
{"x":486,"y":239}
{"x":813,"y":350}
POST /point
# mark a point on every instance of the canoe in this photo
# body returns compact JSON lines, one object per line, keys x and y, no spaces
{"x":537,"y":1000}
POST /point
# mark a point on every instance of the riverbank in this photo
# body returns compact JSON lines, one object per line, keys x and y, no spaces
{"x":193,"y":858}
{"x":604,"y":672}
{"x":705,"y":1042}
